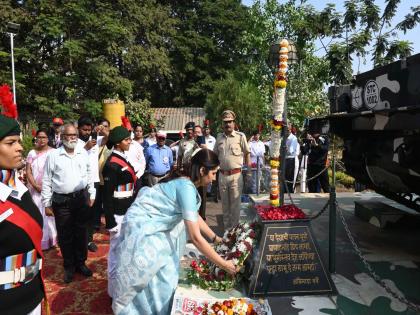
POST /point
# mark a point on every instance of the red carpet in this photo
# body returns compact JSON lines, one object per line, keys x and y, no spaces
{"x":84,"y":295}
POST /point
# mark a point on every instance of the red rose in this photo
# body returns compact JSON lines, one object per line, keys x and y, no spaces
{"x":248,"y":245}
{"x":209,"y":277}
{"x":221,"y":274}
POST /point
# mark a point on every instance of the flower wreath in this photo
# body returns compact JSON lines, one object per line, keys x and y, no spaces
{"x":236,"y":245}
{"x":227,"y":307}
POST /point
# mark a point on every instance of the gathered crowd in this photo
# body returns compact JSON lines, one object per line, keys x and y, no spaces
{"x":149,"y":190}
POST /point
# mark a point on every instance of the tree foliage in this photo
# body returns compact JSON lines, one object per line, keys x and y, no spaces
{"x":360,"y":31}
{"x":76,"y":53}
{"x":206,"y":46}
{"x":141,"y":113}
{"x":363,"y":30}
{"x":70,"y":55}
{"x":269,"y":22}
{"x":243,"y":97}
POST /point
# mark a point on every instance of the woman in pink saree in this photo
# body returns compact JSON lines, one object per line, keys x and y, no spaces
{"x":35,"y":170}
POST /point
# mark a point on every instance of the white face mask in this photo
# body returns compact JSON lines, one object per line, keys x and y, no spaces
{"x":70,"y":144}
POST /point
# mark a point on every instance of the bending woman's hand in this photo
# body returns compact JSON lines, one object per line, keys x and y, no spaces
{"x":230,"y":267}
{"x":218,"y":240}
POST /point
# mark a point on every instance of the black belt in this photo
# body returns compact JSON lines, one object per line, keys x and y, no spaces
{"x":159,"y":176}
{"x":73,"y":194}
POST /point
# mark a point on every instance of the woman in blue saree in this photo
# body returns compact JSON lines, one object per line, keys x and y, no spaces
{"x":153,"y":238}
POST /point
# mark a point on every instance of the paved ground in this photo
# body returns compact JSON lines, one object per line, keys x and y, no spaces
{"x":393,"y":252}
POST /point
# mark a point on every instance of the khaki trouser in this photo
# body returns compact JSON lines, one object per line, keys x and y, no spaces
{"x":230,"y":188}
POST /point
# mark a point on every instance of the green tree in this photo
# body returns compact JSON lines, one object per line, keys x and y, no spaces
{"x":241,"y":96}
{"x":359,"y":31}
{"x":76,"y":53}
{"x":205,"y":47}
{"x":142,"y":114}
{"x":362,"y":30}
{"x":268,"y":23}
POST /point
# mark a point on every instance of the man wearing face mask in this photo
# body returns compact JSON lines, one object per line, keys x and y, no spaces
{"x":68,"y":191}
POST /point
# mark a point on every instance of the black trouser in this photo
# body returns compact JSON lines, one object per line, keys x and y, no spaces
{"x":290,"y":174}
{"x":72,"y":215}
{"x":96,"y":211}
{"x":202,"y":191}
{"x":215,"y":187}
{"x":322,"y":179}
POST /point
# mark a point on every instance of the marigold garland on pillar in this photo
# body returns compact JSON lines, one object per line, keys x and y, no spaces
{"x":279,"y":97}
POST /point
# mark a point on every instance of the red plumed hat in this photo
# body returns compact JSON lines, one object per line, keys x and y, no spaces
{"x":6,"y":99}
{"x":126,"y":123}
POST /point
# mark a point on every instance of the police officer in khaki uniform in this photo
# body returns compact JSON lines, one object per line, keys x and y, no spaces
{"x":233,"y":151}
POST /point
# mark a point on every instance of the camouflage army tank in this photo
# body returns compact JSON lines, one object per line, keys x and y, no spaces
{"x":378,"y":118}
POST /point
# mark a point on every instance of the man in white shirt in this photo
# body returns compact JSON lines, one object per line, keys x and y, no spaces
{"x":91,"y":142}
{"x":210,"y":143}
{"x":68,"y":191}
{"x":210,"y":140}
{"x":135,"y":155}
{"x":292,"y":155}
{"x":257,"y":148}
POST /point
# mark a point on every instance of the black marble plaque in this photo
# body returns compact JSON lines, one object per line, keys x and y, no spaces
{"x":288,"y":262}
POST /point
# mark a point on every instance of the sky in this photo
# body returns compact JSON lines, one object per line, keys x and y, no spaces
{"x":403,"y":9}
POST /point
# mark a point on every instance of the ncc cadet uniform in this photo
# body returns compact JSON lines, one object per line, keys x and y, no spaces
{"x":119,"y":181}
{"x":21,"y":258}
{"x":231,"y":151}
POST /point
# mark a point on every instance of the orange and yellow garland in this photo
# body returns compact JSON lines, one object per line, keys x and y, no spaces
{"x":280,"y":84}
